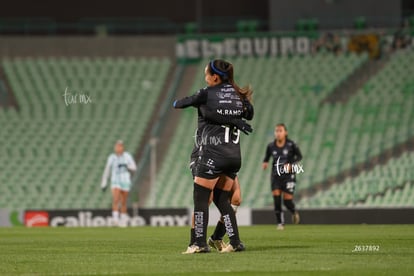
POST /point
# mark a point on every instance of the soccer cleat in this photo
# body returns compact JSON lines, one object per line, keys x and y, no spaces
{"x":230,"y":248}
{"x":189,"y":250}
{"x":296,"y":218}
{"x":280,"y":227}
{"x":196,"y":249}
{"x":216,"y":244}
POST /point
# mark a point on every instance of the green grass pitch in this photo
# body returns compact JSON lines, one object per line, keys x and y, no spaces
{"x":299,"y":249}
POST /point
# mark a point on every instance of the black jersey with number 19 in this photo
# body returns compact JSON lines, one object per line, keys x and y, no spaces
{"x":219,"y":103}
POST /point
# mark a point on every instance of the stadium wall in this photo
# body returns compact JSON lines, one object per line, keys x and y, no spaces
{"x":334,"y":14}
{"x":192,"y":48}
{"x":179,"y":11}
{"x":341,"y":216}
{"x":11,"y":217}
{"x":82,"y":46}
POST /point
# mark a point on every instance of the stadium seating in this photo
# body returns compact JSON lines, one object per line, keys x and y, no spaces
{"x":53,"y":152}
{"x":381,"y":115}
{"x":386,"y":185}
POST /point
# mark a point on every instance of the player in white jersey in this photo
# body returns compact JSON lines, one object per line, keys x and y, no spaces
{"x":119,"y":165}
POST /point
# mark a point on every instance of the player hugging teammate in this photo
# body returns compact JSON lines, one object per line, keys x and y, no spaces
{"x":221,"y":107}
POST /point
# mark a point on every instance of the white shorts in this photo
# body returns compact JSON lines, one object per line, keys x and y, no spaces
{"x":123,"y":186}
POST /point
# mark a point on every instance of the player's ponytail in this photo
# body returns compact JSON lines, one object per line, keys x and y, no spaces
{"x":225,"y":71}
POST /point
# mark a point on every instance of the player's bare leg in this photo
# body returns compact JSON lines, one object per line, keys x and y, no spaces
{"x":236,"y":194}
{"x":116,"y":194}
{"x":124,"y":214}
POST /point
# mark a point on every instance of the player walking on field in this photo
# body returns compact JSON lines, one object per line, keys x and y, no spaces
{"x":119,"y":165}
{"x":219,"y":158}
{"x":285,"y":154}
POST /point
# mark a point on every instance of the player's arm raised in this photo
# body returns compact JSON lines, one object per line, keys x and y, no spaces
{"x":195,"y":100}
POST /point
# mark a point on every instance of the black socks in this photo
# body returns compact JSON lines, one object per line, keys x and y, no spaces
{"x":219,"y":232}
{"x":290,"y":205}
{"x":201,"y":196}
{"x":192,"y":237}
{"x":278,"y":208}
{"x":221,"y":199}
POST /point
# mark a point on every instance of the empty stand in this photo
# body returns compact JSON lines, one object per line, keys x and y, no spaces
{"x":390,"y":184}
{"x":54,"y":151}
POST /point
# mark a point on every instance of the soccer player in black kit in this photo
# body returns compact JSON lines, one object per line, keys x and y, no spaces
{"x":216,"y":239}
{"x":285,"y":154}
{"x":219,"y":158}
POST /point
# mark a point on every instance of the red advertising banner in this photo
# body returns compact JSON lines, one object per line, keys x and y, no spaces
{"x":36,"y":218}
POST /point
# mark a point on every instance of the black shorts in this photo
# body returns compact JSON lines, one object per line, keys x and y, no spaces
{"x":285,"y":183}
{"x":211,"y":168}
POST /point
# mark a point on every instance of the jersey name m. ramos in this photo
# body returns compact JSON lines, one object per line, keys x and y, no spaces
{"x":234,"y":112}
